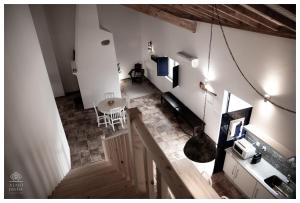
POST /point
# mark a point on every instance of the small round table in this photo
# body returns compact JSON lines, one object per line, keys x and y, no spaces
{"x":104,"y":107}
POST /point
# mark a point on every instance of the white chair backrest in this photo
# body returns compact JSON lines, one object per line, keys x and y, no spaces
{"x":96,"y":111}
{"x":115,"y":113}
{"x":109,"y":95}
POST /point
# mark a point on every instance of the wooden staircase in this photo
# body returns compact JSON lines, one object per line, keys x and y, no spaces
{"x":98,"y":180}
{"x":134,"y":167}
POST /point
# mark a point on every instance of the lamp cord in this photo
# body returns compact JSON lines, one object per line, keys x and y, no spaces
{"x":238,"y":67}
{"x":208,"y":65}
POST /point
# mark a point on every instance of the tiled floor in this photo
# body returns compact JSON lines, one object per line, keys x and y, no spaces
{"x":163,"y":125}
{"x":134,"y":90}
{"x":81,"y":130}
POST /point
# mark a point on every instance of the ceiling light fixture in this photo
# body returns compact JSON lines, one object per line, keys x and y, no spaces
{"x":204,"y":86}
{"x":267,"y":97}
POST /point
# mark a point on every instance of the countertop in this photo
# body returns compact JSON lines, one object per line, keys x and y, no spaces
{"x":259,"y":171}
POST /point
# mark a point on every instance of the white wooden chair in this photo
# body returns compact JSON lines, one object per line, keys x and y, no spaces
{"x":108,"y":95}
{"x":116,"y":117}
{"x":123,"y":114}
{"x":101,"y":120}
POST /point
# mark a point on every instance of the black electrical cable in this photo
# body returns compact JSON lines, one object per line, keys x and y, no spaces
{"x":208,"y":66}
{"x":233,"y":58}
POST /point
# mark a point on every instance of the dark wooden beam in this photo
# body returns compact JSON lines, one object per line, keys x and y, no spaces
{"x":244,"y":18}
{"x":290,"y":7}
{"x":153,"y":11}
{"x":235,"y":16}
{"x":211,"y":11}
{"x":208,"y":17}
{"x":175,"y":11}
{"x":240,"y":10}
{"x":198,"y":15}
{"x":273,"y":15}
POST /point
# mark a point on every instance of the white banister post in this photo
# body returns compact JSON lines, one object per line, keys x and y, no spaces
{"x":150,"y":176}
{"x":132,"y":114}
{"x":162,"y":187}
{"x":106,"y":155}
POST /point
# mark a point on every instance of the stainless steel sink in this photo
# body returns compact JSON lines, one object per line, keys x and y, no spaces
{"x":287,"y":190}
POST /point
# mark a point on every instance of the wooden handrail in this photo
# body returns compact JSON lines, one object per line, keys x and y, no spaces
{"x":183,"y":179}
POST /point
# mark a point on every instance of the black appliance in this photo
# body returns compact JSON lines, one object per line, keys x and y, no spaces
{"x":256,"y":158}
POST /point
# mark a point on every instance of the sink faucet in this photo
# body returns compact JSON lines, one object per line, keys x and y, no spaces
{"x":289,"y":178}
{"x":292,"y":161}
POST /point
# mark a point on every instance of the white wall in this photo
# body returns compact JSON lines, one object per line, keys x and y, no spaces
{"x":124,"y":24}
{"x":35,"y":142}
{"x":268,"y":61}
{"x":61,"y":21}
{"x":97,"y":64}
{"x":41,"y":25}
{"x":235,"y":103}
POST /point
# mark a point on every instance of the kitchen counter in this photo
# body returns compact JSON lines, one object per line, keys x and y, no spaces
{"x":259,"y":171}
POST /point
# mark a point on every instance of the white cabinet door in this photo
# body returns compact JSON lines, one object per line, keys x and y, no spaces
{"x":245,"y":181}
{"x":230,"y":165}
{"x":261,"y":192}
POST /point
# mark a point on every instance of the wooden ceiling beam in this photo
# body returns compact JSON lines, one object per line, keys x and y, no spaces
{"x":176,"y":11}
{"x":225,"y":22}
{"x":243,"y":18}
{"x":184,"y":15}
{"x":152,"y":11}
{"x":207,"y":17}
{"x":290,"y":7}
{"x":210,"y":14}
{"x":277,"y":31}
{"x":200,"y":16}
{"x":211,"y":10}
{"x":240,"y":10}
{"x":273,"y":15}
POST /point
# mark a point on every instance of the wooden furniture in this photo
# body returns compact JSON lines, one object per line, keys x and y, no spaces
{"x":105,"y":107}
{"x":123,"y":114}
{"x":101,"y":120}
{"x":137,"y":73}
{"x":184,"y":112}
{"x":115,"y":117}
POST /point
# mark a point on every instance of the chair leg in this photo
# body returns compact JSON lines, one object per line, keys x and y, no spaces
{"x":124,"y":116}
{"x":121,"y":122}
{"x":113,"y":126}
{"x":105,"y":121}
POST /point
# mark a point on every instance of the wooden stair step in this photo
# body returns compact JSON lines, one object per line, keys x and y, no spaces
{"x":88,"y":173}
{"x":126,"y":193}
{"x":109,"y":190}
{"x":99,"y":180}
{"x":91,"y":167}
